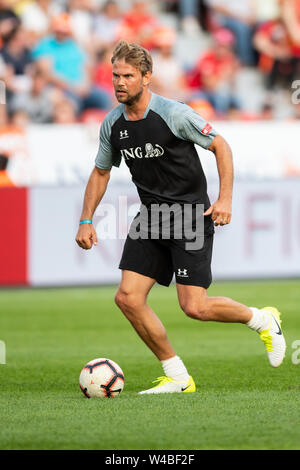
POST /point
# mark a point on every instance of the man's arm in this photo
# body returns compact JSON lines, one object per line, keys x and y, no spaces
{"x":46,"y":66}
{"x":221,"y":210}
{"x":86,"y":236}
{"x":265,"y":45}
{"x":290,"y":19}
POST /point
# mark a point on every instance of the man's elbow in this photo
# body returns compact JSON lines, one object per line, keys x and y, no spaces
{"x":219,"y":144}
{"x":101,"y":172}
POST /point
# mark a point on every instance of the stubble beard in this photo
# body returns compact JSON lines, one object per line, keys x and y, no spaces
{"x":132,"y":99}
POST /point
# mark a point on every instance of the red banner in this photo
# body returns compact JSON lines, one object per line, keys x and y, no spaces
{"x":13,"y":236}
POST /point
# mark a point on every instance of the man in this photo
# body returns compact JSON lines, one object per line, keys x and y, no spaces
{"x":38,"y":101}
{"x":276,"y":58}
{"x":240,"y":18}
{"x":216,"y":71}
{"x":172,"y":174}
{"x":66,"y":66}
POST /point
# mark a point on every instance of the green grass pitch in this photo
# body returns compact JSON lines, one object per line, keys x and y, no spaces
{"x":240,"y":403}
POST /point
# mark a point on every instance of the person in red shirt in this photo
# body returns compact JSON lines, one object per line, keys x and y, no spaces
{"x":290,"y":13}
{"x":103,"y":71}
{"x":139,"y":25}
{"x":168,"y":77}
{"x":276,"y":59}
{"x":215,"y":73}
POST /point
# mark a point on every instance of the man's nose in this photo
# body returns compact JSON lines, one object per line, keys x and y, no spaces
{"x":121,"y":81}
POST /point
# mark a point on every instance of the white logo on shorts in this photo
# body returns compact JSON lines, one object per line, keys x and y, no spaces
{"x":182,"y":273}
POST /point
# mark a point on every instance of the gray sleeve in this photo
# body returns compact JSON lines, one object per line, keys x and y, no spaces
{"x":192,"y":127}
{"x":184,"y":122}
{"x":106,"y":155}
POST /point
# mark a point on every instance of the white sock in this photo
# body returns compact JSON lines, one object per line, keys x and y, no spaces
{"x":259,"y":321}
{"x":176,"y":369}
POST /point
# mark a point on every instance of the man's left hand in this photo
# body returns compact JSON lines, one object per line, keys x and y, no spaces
{"x":220,"y":212}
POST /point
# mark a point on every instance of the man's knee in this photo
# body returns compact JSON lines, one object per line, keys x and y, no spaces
{"x":127,"y":301}
{"x":196,"y":310}
{"x":122,"y":299}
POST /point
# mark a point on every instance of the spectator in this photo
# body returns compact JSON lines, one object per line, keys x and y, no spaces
{"x":103,"y":71}
{"x":276,"y":60}
{"x":66,"y":64}
{"x":215,"y":73}
{"x":16,"y":54}
{"x":168,"y":78}
{"x":106,"y":25}
{"x":17,"y":61}
{"x":37,"y":102}
{"x":290,"y":11}
{"x":9,"y":22}
{"x":81,"y":20}
{"x":139,"y":25}
{"x":36,"y":17}
{"x":64,"y":113}
{"x":238,"y":16}
{"x":13,"y":143}
{"x":189,"y":12}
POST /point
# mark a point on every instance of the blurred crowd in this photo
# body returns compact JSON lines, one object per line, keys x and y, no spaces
{"x":55,"y":58}
{"x":55,"y":54}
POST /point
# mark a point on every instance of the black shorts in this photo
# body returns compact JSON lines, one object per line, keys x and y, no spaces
{"x":160,"y":259}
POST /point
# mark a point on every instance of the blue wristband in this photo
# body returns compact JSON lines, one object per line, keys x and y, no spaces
{"x":85,"y":222}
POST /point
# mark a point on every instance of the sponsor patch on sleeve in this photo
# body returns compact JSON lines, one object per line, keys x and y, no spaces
{"x":206,"y":129}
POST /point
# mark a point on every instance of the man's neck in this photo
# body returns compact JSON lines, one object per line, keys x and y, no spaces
{"x":137,"y":110}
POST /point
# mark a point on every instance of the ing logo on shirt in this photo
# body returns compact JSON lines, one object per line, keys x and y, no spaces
{"x":137,"y":152}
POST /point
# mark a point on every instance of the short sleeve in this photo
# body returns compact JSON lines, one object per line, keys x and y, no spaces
{"x":106,"y":156}
{"x":184,"y":122}
{"x":192,"y":127}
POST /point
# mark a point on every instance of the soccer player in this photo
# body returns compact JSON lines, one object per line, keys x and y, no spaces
{"x":156,"y":137}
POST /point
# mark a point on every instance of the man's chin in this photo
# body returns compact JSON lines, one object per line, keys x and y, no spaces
{"x":122,"y":98}
{"x":127,"y":99}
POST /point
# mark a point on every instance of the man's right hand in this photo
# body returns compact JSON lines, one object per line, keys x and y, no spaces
{"x":86,"y":236}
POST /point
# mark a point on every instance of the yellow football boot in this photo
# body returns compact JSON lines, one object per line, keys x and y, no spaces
{"x":273,"y":337}
{"x":169,"y":385}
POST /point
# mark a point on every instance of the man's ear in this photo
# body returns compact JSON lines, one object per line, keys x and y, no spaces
{"x":147,"y":78}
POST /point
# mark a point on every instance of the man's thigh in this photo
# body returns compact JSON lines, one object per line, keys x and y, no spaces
{"x":193,"y":267}
{"x":148,"y":258}
{"x":190,"y":296}
{"x":133,"y":283}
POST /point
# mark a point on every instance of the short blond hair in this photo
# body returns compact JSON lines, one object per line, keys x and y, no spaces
{"x":133,"y":54}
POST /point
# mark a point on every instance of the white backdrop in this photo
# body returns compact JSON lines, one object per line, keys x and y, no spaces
{"x":64,"y":154}
{"x":263,"y":239}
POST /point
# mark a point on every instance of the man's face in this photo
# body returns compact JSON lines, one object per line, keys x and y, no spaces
{"x":61,"y":36}
{"x":128,"y":82}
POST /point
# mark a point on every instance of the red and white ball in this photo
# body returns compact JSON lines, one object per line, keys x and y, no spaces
{"x":101,"y":378}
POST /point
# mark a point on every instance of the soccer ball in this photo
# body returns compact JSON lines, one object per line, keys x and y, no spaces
{"x":101,"y":378}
